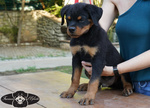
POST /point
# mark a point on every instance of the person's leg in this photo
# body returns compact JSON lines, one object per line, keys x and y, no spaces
{"x":142,"y":87}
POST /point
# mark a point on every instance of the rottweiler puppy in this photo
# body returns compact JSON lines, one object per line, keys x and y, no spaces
{"x":89,"y":42}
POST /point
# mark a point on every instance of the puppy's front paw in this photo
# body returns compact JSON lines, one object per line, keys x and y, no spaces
{"x":66,"y":94}
{"x":128,"y":90}
{"x":87,"y":100}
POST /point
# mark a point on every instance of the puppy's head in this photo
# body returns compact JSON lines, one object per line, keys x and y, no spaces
{"x":80,"y":17}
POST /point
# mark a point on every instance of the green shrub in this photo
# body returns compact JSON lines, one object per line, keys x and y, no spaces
{"x":55,"y":10}
{"x":10,"y":32}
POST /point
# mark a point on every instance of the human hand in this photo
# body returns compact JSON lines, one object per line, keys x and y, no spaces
{"x":107,"y":71}
{"x":87,"y":66}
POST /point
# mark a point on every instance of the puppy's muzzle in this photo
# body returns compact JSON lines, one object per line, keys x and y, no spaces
{"x":72,"y":29}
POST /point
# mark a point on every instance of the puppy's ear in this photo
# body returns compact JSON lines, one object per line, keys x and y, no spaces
{"x":95,"y":13}
{"x":63,"y":12}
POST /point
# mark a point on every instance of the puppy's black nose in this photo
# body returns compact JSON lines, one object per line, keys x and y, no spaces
{"x":72,"y":29}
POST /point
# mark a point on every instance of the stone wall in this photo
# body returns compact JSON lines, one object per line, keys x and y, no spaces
{"x":38,"y":26}
{"x":11,"y":18}
{"x":49,"y":29}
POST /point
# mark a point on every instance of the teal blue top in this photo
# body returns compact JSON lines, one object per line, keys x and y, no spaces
{"x":133,"y":30}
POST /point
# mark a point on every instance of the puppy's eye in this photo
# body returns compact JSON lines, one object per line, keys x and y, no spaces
{"x":68,"y":18}
{"x":80,"y":19}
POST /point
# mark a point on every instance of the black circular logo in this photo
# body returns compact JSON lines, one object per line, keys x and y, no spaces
{"x":20,"y":99}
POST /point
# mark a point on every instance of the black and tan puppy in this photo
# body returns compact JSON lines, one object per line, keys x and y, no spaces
{"x":89,"y":42}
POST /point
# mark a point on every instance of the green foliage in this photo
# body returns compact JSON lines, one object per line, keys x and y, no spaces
{"x":98,"y":2}
{"x":49,"y":3}
{"x":55,"y":10}
{"x":54,"y":6}
{"x":5,"y":30}
{"x":14,"y":33}
{"x":111,"y":32}
{"x":12,"y":58}
{"x":10,"y":32}
{"x":29,"y":69}
{"x":4,"y":58}
{"x":68,"y":70}
{"x":2,"y":2}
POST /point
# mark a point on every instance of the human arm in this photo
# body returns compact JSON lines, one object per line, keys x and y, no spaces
{"x":109,"y":14}
{"x":136,"y":63}
{"x":139,"y":62}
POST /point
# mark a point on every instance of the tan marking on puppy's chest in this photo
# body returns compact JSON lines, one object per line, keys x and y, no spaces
{"x":75,"y":49}
{"x":90,"y":50}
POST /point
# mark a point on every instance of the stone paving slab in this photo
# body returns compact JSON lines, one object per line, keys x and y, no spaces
{"x":49,"y":85}
{"x":32,"y":51}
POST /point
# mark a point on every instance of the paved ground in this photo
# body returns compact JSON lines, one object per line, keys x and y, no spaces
{"x":13,"y":58}
{"x":31,"y":52}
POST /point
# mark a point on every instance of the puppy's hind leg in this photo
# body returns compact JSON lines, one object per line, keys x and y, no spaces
{"x":128,"y":89}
